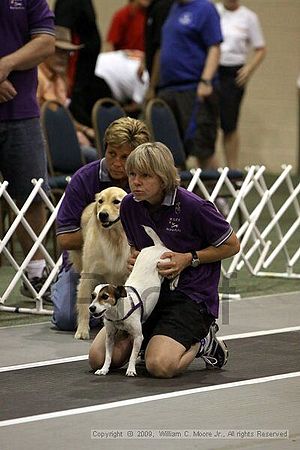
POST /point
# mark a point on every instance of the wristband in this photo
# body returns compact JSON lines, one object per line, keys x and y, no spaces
{"x":207,"y":82}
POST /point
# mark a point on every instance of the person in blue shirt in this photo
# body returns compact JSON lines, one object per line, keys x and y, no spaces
{"x":189,"y":58}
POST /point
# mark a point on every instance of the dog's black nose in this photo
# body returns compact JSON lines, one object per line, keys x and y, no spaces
{"x":92,"y":308}
{"x":103,"y":216}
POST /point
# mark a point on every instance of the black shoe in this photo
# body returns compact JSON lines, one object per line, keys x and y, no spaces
{"x":214,"y":351}
{"x":37,"y":284}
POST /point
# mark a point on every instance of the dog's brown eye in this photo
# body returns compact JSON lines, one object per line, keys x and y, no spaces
{"x":116,"y":202}
{"x":104,"y":296}
{"x":100,"y":201}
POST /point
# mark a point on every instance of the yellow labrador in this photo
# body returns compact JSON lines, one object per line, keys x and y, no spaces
{"x":104,"y":254}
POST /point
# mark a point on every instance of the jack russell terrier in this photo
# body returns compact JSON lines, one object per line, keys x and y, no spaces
{"x":127,"y":307}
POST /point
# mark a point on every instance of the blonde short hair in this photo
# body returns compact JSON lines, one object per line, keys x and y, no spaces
{"x":126,"y":130}
{"x":154,"y":158}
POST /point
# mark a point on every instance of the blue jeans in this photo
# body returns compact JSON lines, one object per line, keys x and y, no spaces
{"x":63,"y":296}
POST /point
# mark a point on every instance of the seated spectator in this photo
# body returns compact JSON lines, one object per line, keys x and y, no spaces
{"x":127,"y":27}
{"x":52,"y":85}
{"x":119,"y":70}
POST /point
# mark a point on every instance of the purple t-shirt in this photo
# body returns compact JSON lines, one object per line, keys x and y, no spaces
{"x":20,"y":20}
{"x":184,"y":222}
{"x":190,"y":29}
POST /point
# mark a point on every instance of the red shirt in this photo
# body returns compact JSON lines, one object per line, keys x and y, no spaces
{"x":127,"y":28}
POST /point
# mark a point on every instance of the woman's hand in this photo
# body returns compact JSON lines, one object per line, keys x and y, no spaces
{"x":176,"y":263}
{"x":131,"y":260}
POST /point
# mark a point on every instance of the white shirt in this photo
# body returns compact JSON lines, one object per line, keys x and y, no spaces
{"x":120,"y":72}
{"x":241,"y":31}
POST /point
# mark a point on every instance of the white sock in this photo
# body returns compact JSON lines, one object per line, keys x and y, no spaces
{"x":35,"y":268}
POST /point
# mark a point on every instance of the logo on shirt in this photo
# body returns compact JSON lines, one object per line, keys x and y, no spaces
{"x":174,"y":225}
{"x":177,"y":208}
{"x":16,"y":4}
{"x":186,"y":18}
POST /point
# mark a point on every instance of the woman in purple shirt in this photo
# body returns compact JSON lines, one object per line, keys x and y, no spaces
{"x":182,"y":325}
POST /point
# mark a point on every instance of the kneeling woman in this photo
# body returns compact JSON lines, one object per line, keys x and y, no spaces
{"x":182,"y":325}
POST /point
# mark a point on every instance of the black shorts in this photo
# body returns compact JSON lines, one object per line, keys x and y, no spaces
{"x":22,"y":156}
{"x":230,"y":98}
{"x":178,"y":317}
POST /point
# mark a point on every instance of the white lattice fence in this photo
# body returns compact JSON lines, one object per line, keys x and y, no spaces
{"x":37,"y":243}
{"x":263,"y":239}
{"x":259,"y":224}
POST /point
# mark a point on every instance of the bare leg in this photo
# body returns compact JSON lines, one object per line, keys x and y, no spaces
{"x":166,"y":358}
{"x":231,"y":144}
{"x":36,"y":217}
{"x":121,"y":351}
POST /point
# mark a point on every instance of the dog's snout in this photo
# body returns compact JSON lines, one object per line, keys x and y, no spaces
{"x":103,"y":216}
{"x":92,"y":308}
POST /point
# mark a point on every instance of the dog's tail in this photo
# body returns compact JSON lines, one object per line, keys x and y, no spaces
{"x":152,"y":234}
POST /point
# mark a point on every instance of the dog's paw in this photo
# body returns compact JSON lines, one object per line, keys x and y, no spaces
{"x":82,"y":334}
{"x":101,"y":372}
{"x":130,"y":373}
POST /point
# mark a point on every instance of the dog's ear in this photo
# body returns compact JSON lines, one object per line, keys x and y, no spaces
{"x":120,"y":292}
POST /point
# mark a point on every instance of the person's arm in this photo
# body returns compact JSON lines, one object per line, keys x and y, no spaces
{"x":7,"y":91}
{"x":132,"y":257}
{"x":179,"y":261}
{"x":245,"y":72}
{"x":205,"y":88}
{"x":30,"y":55}
{"x":70,"y":241}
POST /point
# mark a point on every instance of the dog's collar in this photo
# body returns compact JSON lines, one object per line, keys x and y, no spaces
{"x":113,"y":222}
{"x":133,"y":305}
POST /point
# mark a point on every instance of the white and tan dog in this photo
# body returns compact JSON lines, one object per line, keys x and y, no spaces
{"x":127,"y":307}
{"x":104,"y":254}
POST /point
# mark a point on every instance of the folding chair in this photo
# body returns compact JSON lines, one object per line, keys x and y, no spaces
{"x":163,"y":128}
{"x":63,"y":149}
{"x":104,"y":112}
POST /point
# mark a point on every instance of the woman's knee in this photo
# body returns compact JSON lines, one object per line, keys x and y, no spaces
{"x":96,"y":359}
{"x":161,"y":367}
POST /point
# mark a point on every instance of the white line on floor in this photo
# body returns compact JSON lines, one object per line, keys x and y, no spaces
{"x":260,"y":333}
{"x":83,"y":357}
{"x":151,"y":398}
{"x":25,"y":325}
{"x":50,"y":362}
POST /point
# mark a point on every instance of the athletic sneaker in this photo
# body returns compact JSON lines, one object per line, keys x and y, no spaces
{"x":37,"y":283}
{"x":213,"y":350}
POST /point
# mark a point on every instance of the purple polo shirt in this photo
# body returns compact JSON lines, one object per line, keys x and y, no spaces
{"x":20,"y":20}
{"x":80,"y":192}
{"x":190,"y":29}
{"x":184,"y":222}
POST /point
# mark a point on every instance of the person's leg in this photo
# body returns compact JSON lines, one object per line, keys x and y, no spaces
{"x":36,"y":217}
{"x":231,"y":145}
{"x":231,"y":97}
{"x":63,"y":297}
{"x":173,"y":333}
{"x":121,"y":352}
{"x":166,"y":358}
{"x":24,"y":158}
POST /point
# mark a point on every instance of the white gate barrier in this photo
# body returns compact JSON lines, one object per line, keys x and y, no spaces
{"x":259,"y":224}
{"x":258,"y":249}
